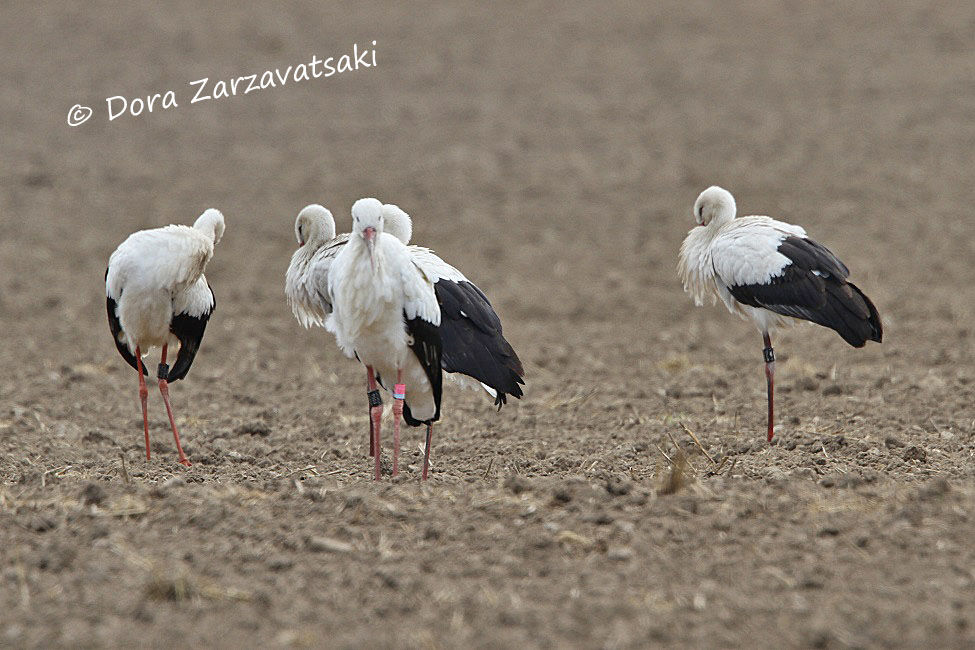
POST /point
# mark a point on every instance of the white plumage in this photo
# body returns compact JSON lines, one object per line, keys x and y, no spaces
{"x":158,"y":273}
{"x":433,"y":267}
{"x":724,"y":251}
{"x":377,"y":293}
{"x":306,"y":281}
{"x":770,"y":273}
{"x":157,"y":296}
{"x":373,"y":294}
{"x":407,"y":315}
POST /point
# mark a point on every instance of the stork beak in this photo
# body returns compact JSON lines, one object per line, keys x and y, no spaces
{"x":370,"y":237}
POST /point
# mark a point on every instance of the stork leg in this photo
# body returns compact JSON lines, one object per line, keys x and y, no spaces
{"x":374,"y":400}
{"x":375,"y":415}
{"x":426,"y":453}
{"x":143,"y":397}
{"x":164,"y":389}
{"x":769,"y":380}
{"x":399,"y":394}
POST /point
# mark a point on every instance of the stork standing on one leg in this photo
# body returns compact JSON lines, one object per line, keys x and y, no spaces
{"x":157,"y":295}
{"x":406,"y":313}
{"x":769,"y":272}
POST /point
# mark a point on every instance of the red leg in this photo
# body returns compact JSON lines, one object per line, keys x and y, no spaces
{"x":426,"y":454}
{"x":372,"y":431}
{"x":164,"y":389}
{"x":143,"y":397}
{"x":770,"y":381}
{"x":375,"y":415}
{"x":399,"y":394}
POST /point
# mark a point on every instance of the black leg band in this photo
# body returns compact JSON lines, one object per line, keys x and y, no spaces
{"x":163,"y":373}
{"x":769,"y":355}
{"x":374,"y":398}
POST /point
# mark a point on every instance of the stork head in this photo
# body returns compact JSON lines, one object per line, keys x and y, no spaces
{"x":398,"y":223}
{"x":714,"y":204}
{"x":210,"y":223}
{"x":367,"y":223}
{"x":314,"y":225}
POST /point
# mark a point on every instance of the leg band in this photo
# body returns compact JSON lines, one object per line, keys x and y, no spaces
{"x":374,"y":398}
{"x":163,"y":373}
{"x":769,"y":355}
{"x":399,"y":391}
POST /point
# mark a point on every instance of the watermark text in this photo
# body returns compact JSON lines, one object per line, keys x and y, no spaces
{"x":209,"y":89}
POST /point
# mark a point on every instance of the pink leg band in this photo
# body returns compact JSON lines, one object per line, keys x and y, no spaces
{"x":399,"y":391}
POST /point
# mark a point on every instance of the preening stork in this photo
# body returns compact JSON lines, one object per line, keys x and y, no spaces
{"x":157,"y":295}
{"x":306,"y":281}
{"x":405,"y":313}
{"x":771,"y":273}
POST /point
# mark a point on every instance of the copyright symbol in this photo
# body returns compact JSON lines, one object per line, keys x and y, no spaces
{"x":78,"y":114}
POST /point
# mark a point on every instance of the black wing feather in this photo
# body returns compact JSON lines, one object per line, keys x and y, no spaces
{"x":116,"y":327}
{"x":428,"y":348}
{"x":473,"y":343}
{"x":814,"y":288}
{"x":189,"y":330}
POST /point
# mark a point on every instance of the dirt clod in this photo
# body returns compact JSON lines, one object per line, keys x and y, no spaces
{"x":893,"y":442}
{"x":517,"y":484}
{"x":172,"y":588}
{"x":915,"y":453}
{"x":93,"y":494}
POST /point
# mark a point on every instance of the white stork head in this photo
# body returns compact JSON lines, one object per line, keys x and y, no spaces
{"x":398,"y":223}
{"x":210,"y":223}
{"x":314,"y":225}
{"x":714,"y":204}
{"x":367,"y":223}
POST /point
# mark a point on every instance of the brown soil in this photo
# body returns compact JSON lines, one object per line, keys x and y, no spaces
{"x":552,"y":152}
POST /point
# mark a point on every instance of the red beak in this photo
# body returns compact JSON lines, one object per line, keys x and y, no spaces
{"x":370,"y":236}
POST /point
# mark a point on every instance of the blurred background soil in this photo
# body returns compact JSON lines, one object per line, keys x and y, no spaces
{"x":553,"y":151}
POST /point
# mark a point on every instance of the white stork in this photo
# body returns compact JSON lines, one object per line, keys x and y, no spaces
{"x":404,"y":312}
{"x":157,"y":295}
{"x":306,"y":281}
{"x":771,"y":273}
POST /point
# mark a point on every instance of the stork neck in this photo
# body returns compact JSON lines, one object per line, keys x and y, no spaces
{"x":722,"y":218}
{"x":211,"y":224}
{"x":718,"y":223}
{"x":704,"y":234}
{"x":399,"y":225}
{"x":377,"y":265}
{"x":317,"y":238}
